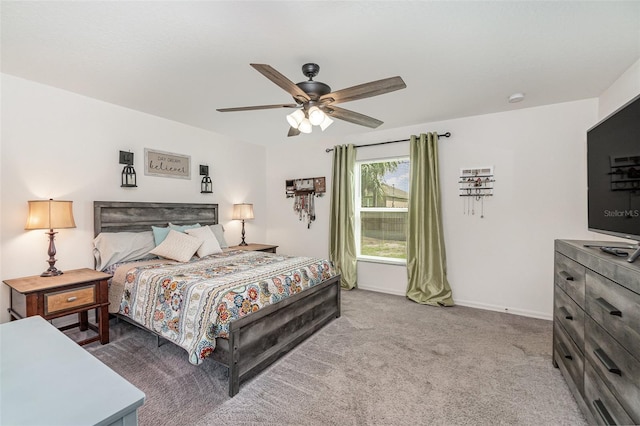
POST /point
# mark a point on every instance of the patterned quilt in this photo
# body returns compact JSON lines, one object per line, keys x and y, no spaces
{"x":191,"y":304}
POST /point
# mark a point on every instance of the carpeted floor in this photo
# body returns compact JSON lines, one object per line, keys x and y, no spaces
{"x":386,"y":361}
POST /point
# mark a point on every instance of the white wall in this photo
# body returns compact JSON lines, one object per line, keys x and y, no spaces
{"x":61,"y":145}
{"x":56,"y":144}
{"x":503,"y":261}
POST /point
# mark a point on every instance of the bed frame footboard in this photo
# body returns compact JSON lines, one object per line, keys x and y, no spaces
{"x":258,"y":340}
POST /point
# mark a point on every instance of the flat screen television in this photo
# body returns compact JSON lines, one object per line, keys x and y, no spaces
{"x":613,"y":173}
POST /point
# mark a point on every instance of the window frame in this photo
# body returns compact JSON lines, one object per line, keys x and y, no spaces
{"x":359,"y":209}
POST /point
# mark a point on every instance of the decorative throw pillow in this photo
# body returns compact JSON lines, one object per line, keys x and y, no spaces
{"x":177,"y":246}
{"x":210,"y":243}
{"x":218,"y":231}
{"x":159,"y":234}
{"x":182,"y":228}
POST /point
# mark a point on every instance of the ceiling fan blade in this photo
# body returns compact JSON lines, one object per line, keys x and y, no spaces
{"x":293,"y":131}
{"x":282,"y":81}
{"x":366,"y":90}
{"x":250,"y":108}
{"x":352,"y":117}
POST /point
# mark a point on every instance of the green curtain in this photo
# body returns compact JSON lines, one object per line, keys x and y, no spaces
{"x":426,"y":259}
{"x":342,"y":238}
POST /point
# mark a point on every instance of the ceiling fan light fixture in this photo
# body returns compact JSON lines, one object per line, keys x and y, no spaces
{"x":326,"y":122}
{"x":305,"y":126}
{"x":316,"y":115}
{"x":295,"y":118}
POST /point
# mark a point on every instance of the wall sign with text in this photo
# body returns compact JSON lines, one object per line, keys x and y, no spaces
{"x":166,"y":164}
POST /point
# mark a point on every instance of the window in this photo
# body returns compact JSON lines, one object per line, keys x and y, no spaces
{"x":382,"y":198}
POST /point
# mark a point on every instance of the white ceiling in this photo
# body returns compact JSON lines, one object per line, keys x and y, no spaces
{"x":181,"y":60}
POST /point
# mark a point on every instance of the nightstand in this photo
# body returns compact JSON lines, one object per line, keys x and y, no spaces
{"x":75,"y":291}
{"x":256,"y":247}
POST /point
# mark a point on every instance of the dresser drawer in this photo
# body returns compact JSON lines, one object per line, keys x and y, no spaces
{"x":569,"y":275}
{"x":570,"y":316}
{"x":69,"y":299}
{"x":569,"y":358}
{"x":604,"y":406}
{"x":619,"y":370}
{"x":616,"y":309}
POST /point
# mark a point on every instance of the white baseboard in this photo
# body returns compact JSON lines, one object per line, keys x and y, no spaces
{"x":507,"y":310}
{"x":381,"y":290}
{"x":470,"y":304}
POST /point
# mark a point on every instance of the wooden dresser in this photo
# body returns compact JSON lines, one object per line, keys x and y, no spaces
{"x":596,"y":330}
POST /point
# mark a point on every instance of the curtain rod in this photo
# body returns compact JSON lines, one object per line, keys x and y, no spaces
{"x":445,"y":135}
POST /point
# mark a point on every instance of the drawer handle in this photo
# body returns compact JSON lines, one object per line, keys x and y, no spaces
{"x":603,"y":412}
{"x":564,"y":352}
{"x":609,"y":307}
{"x":72,"y":299}
{"x":565,"y":313}
{"x":606,"y":361}
{"x":566,"y":276}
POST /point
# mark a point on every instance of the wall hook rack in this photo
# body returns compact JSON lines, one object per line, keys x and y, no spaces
{"x":475,"y":184}
{"x":304,"y":191}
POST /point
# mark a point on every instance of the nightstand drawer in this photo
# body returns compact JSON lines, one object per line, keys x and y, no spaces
{"x":69,"y":299}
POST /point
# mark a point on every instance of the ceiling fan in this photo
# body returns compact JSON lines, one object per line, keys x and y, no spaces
{"x":315,"y":102}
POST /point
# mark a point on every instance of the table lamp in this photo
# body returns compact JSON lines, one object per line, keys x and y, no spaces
{"x":50,"y":214}
{"x":242,"y":212}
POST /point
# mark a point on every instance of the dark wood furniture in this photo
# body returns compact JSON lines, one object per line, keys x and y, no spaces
{"x":268,"y":248}
{"x":75,"y":291}
{"x":257,"y":340}
{"x":596,"y":331}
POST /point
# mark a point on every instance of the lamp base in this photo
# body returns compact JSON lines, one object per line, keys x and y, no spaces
{"x":242,"y":243}
{"x":51,"y":272}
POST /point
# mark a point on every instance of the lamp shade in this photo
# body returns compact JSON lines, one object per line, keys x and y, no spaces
{"x":50,"y":214}
{"x":326,"y":122}
{"x":316,"y":115}
{"x":242,"y":211}
{"x":305,"y":126}
{"x":295,"y":118}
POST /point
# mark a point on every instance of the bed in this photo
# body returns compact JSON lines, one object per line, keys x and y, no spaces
{"x":250,"y":341}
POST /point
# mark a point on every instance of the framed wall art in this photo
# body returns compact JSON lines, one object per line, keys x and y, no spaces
{"x":166,"y":164}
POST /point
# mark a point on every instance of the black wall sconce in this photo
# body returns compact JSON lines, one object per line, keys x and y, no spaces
{"x":206,"y":186}
{"x":128,"y":172}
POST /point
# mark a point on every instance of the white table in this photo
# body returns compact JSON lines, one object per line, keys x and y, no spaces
{"x":47,"y":379}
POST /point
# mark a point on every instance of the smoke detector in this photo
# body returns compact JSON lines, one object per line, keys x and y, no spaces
{"x":516,"y":97}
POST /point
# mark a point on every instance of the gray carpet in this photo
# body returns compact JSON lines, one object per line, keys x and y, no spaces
{"x":386,"y":361}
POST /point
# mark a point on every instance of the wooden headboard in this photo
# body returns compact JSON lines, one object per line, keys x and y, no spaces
{"x":121,"y":216}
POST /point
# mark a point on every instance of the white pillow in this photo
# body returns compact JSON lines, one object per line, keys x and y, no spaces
{"x":218,"y":231}
{"x":115,"y":247}
{"x":210,"y":243}
{"x":178,"y":246}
